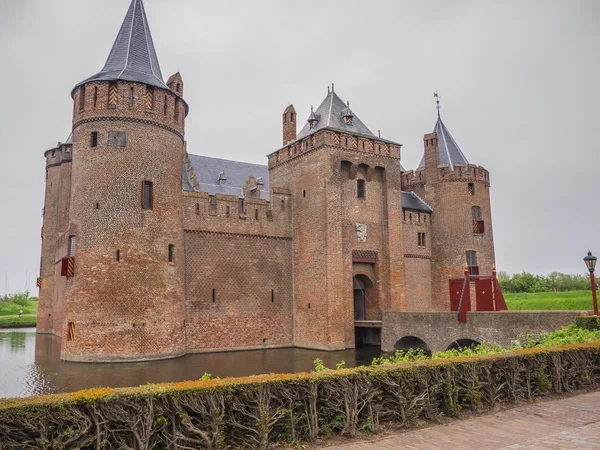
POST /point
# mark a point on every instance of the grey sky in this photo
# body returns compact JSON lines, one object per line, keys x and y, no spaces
{"x":517,"y":79}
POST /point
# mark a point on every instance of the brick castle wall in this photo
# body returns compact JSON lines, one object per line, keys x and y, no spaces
{"x":417,"y":260}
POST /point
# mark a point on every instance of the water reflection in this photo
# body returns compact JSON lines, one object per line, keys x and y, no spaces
{"x":30,"y":364}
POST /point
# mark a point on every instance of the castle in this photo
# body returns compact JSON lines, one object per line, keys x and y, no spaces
{"x":150,"y":251}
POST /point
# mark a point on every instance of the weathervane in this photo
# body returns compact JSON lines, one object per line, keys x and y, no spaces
{"x":437,"y":100}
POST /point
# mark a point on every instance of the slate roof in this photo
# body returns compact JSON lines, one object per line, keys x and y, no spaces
{"x":208,"y":169}
{"x":449,"y":150}
{"x":410,"y":200}
{"x":133,"y":56}
{"x":330,"y":115}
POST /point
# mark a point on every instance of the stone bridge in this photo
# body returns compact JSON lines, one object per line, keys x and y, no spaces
{"x":439,"y":331}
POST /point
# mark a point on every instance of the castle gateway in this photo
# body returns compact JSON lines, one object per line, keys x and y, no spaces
{"x":150,"y":251}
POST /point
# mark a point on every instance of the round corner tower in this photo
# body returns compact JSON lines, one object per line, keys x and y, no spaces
{"x":125,"y":288}
{"x":459,"y":193}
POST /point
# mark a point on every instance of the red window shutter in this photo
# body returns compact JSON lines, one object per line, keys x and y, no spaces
{"x":64,"y":267}
{"x":481,"y":227}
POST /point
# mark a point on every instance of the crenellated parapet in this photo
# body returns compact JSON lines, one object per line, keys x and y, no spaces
{"x":330,"y":138}
{"x":62,"y":153}
{"x":471,"y":173}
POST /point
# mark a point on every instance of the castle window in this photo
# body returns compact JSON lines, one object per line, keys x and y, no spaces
{"x":304,"y":194}
{"x":171,"y":253}
{"x":94,"y":139}
{"x":282,"y":204}
{"x":147,"y":195}
{"x":478,"y":227}
{"x":130,"y":96}
{"x":149,"y":98}
{"x":471,"y":188}
{"x":472,"y":262}
{"x":241,"y":205}
{"x":292,"y":117}
{"x":118,"y":255}
{"x":70,"y":331}
{"x":214,"y":295}
{"x":256,"y":214}
{"x":95,"y":96}
{"x":360,"y":188}
{"x":410,"y":218}
{"x":165,"y":106}
{"x":212,"y":201}
{"x":178,"y":87}
{"x":81,"y":98}
{"x":197,"y":208}
{"x":227,"y":211}
{"x":112,"y":93}
{"x":72,"y":245}
{"x":272,"y":295}
{"x":421,"y":240}
{"x":176,"y":114}
{"x":97,"y":205}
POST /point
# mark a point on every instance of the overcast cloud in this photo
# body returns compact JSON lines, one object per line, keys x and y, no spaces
{"x":518,"y":81}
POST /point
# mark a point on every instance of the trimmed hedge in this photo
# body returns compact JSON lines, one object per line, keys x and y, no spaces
{"x":588,"y":322}
{"x":254,"y":412}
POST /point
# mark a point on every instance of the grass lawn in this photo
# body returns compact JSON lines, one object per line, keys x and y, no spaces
{"x":12,"y":309}
{"x":572,"y":300}
{"x":6,"y":321}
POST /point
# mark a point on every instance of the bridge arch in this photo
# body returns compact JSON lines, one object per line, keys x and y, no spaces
{"x":463,"y":343}
{"x":407,"y":342}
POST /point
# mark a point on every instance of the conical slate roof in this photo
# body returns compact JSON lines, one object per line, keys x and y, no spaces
{"x":331,"y":115}
{"x":133,"y":57}
{"x":449,"y":150}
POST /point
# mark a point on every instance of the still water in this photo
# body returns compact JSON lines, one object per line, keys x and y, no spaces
{"x":30,"y":364}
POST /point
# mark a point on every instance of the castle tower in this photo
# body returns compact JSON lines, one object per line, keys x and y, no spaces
{"x":124,"y":297}
{"x":459,"y":193}
{"x":55,"y":227}
{"x":347,"y":226}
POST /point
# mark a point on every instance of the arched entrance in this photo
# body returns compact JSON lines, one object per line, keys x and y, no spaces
{"x":408,"y":342}
{"x":463,"y":343}
{"x":360,"y":285}
{"x":367,"y":325}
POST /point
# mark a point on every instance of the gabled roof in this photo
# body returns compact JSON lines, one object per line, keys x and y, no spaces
{"x":330,"y":114}
{"x":449,"y":150}
{"x":410,"y":200}
{"x":208,"y":170}
{"x":133,"y":57}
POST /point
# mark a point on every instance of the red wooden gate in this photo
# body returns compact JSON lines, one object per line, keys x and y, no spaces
{"x":484,"y":296}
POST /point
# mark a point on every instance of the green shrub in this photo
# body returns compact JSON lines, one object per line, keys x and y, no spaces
{"x":256,"y":412}
{"x":588,"y":322}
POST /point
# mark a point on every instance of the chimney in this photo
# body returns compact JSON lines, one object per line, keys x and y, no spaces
{"x":289,"y":125}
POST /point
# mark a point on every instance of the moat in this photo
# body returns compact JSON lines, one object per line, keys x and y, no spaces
{"x":30,"y":365}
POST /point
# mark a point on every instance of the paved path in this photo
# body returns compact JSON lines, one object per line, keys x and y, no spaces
{"x":568,"y":423}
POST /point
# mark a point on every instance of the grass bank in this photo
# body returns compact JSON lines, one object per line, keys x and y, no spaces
{"x":572,"y":300}
{"x":17,"y":322}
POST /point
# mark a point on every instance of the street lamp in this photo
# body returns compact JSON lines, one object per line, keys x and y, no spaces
{"x":590,"y":262}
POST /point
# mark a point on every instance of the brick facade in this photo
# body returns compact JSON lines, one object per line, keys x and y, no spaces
{"x":167,"y":262}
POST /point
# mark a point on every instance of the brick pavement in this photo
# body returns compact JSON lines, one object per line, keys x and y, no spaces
{"x":567,"y":423}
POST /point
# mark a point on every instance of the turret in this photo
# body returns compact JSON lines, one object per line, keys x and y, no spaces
{"x":459,"y":193}
{"x":124,"y":294}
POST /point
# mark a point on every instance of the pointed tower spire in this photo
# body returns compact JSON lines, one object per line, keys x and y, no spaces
{"x":133,"y":56}
{"x":449,"y":151}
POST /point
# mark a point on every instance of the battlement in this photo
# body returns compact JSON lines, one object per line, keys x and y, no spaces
{"x":342,"y":139}
{"x":461,"y":173}
{"x":238,"y":214}
{"x":62,"y":153}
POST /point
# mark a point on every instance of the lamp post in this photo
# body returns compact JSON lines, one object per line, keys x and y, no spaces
{"x":590,"y":262}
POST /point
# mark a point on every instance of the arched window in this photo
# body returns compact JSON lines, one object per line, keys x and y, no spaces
{"x":360,"y":188}
{"x":478,"y":226}
{"x":472,"y":262}
{"x":72,"y":245}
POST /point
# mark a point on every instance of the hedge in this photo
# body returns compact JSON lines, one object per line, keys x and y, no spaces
{"x":258,"y":411}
